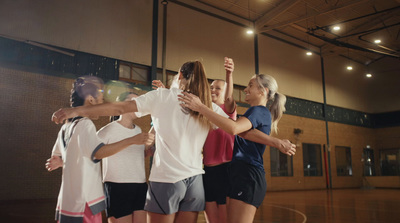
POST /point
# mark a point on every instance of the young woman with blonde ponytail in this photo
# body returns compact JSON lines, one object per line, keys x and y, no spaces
{"x":246,"y":173}
{"x":175,"y":191}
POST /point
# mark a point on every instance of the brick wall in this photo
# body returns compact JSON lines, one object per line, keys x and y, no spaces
{"x":27,"y":134}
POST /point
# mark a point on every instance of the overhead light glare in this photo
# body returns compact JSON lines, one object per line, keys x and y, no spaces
{"x":250,"y":31}
{"x":377,"y":41}
{"x":368,"y":75}
{"x":336,"y":28}
{"x":349,"y":68}
{"x":309,"y":53}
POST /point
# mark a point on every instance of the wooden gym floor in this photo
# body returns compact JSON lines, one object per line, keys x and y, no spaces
{"x":316,"y":206}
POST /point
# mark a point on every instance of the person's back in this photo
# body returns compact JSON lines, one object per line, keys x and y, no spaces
{"x":179,"y":138}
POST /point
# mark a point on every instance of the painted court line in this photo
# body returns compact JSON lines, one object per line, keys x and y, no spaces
{"x":290,"y":209}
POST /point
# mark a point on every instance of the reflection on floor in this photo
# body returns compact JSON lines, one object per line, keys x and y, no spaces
{"x":317,"y":206}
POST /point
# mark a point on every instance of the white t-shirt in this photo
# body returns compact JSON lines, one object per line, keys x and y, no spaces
{"x":126,"y":166}
{"x":179,"y":136}
{"x":81,"y":177}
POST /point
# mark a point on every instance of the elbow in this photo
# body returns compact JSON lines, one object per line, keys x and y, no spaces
{"x":97,"y":158}
{"x":125,"y":107}
{"x":234,"y":131}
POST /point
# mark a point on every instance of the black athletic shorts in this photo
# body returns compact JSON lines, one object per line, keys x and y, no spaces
{"x":124,"y":198}
{"x":216,"y":183}
{"x":248,"y":183}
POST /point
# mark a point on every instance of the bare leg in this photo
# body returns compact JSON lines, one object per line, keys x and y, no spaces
{"x":125,"y":219}
{"x":222,"y":213}
{"x":186,"y":217}
{"x":139,"y":217}
{"x":211,"y":212}
{"x":240,"y":212}
{"x":215,"y":213}
{"x":160,"y":218}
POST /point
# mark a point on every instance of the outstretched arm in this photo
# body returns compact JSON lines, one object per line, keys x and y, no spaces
{"x":228,"y":125}
{"x":229,"y":102}
{"x":113,"y":148}
{"x":255,"y":135}
{"x":108,"y":109}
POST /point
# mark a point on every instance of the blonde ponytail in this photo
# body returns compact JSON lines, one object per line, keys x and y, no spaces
{"x":277,"y":107}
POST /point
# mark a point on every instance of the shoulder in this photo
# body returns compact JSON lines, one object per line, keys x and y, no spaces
{"x":83,"y":123}
{"x":164,"y":91}
{"x":106,"y":128}
{"x":216,"y":108}
{"x":158,"y":95}
{"x":174,"y":91}
{"x":258,"y":110}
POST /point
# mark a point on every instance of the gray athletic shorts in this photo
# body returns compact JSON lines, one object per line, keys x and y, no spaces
{"x":169,"y":198}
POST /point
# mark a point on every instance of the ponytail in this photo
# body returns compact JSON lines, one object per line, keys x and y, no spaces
{"x":278,"y":100}
{"x":197,"y":84}
{"x":277,"y":109}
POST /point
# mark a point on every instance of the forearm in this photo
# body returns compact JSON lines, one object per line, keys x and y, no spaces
{"x":285,"y":146}
{"x":257,"y":136}
{"x":226,"y":124}
{"x":229,"y":102}
{"x":113,"y":148}
{"x":107,"y":109}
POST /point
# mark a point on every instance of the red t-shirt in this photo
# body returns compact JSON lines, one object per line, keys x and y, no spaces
{"x":219,"y":144}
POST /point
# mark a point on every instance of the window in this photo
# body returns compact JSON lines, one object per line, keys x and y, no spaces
{"x":343,"y":161}
{"x":312,"y":161}
{"x":170,"y":79}
{"x":390,"y":162}
{"x":134,"y":73}
{"x":238,"y":93}
{"x":369,"y":162}
{"x":159,"y":75}
{"x":281,"y":164}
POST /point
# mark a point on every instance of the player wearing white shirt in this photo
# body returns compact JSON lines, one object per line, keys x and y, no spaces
{"x":124,"y":173}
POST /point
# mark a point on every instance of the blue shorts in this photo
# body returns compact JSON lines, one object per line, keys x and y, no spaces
{"x":124,"y":198}
{"x":248,"y":183}
{"x":169,"y":198}
{"x":216,"y":183}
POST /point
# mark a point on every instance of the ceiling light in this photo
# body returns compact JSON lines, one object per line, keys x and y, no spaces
{"x":336,"y":28}
{"x":309,"y":53}
{"x":349,"y":68}
{"x":377,"y":41}
{"x":249,"y":31}
{"x":368,"y":75}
